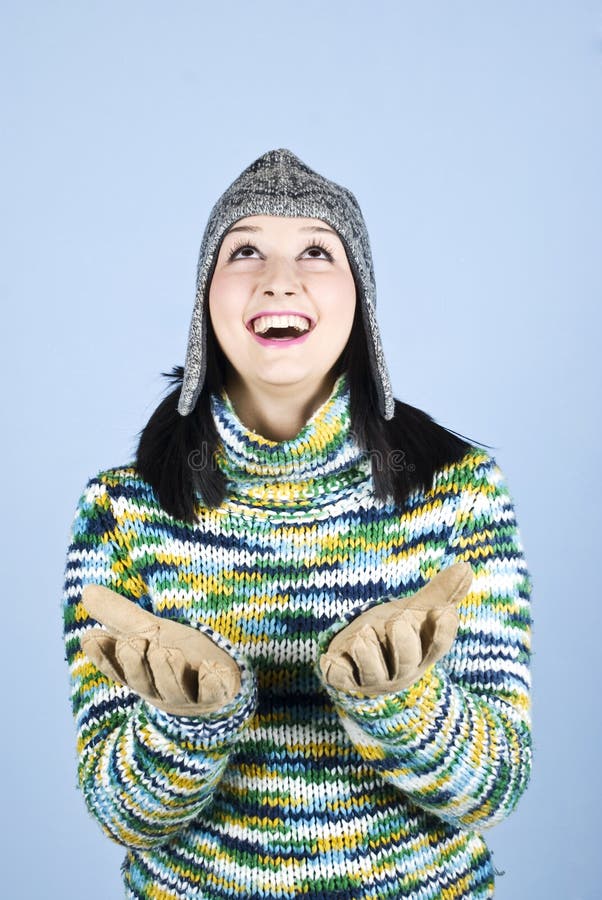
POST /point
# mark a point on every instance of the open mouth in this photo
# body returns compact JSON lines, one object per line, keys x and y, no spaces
{"x":272,"y":329}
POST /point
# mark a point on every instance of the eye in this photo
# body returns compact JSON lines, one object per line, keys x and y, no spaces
{"x":317,"y":245}
{"x":242,"y":245}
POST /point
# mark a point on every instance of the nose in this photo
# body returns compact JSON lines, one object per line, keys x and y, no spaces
{"x":279,"y":278}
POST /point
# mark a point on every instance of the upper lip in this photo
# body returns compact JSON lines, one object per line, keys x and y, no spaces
{"x":280,"y":312}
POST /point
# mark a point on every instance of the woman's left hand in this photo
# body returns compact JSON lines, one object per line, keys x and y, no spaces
{"x":390,"y":646}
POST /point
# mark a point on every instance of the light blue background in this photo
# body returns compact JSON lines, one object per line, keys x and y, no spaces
{"x":470,"y":134}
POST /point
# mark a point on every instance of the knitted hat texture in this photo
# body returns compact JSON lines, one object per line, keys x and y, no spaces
{"x":280,"y":184}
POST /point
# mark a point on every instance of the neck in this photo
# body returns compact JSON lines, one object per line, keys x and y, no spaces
{"x":277,"y":412}
{"x":322,"y":464}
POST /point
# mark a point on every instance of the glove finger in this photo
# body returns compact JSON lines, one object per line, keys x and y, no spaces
{"x":168,"y":667}
{"x":217,"y":685}
{"x":366,"y":651}
{"x":406,"y":645}
{"x":444,"y":632}
{"x":131,"y":655}
{"x":445,"y":589}
{"x":99,"y":647}
{"x":429,"y":626}
{"x":339,"y":672}
{"x":114,"y":611}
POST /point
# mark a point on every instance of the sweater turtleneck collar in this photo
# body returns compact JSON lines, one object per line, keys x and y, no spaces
{"x":311,"y":469}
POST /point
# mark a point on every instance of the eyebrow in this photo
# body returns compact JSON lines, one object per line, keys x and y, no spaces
{"x":313,"y":228}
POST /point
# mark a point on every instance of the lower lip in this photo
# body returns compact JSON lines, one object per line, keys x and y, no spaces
{"x":281,"y":342}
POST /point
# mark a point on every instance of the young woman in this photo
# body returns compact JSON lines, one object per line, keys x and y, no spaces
{"x":298,"y":623}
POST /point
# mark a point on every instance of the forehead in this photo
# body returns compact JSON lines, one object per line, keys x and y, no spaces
{"x":272,"y":224}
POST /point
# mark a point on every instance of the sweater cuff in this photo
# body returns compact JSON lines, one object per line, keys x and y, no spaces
{"x":212,"y":730}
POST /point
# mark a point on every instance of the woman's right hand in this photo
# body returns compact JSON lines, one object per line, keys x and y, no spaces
{"x":173,"y":666}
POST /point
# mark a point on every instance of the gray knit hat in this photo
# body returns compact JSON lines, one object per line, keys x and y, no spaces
{"x":279,"y":184}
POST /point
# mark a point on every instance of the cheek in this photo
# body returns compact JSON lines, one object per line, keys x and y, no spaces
{"x":224,"y":307}
{"x":344,"y":301}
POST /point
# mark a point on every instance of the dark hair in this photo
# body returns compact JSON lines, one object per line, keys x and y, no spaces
{"x":416,"y":444}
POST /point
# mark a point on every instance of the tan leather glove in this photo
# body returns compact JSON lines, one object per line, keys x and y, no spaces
{"x":390,"y":646}
{"x":173,"y":666}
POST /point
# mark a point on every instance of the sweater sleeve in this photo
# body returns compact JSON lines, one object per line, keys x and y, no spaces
{"x":144,"y":773}
{"x":458,"y":741}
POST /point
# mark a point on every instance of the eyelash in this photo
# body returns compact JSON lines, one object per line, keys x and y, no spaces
{"x":319,"y":244}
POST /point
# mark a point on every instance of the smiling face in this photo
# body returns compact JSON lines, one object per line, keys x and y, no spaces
{"x":286,"y":267}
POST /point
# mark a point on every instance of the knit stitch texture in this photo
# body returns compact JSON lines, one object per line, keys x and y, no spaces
{"x":296,"y":788}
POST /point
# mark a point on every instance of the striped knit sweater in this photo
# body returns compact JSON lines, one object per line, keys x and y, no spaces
{"x":296,"y":788}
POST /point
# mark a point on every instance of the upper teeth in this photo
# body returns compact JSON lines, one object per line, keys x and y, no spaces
{"x":264,"y":322}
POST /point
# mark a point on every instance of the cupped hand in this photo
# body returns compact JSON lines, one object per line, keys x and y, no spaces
{"x":173,"y":666}
{"x":390,"y":646}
